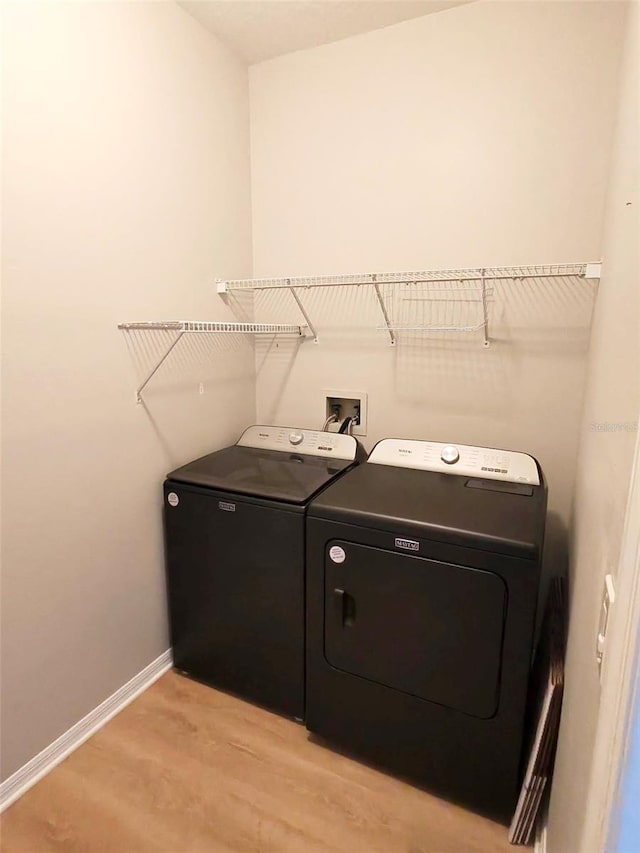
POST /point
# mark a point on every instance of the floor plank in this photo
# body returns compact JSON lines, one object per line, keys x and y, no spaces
{"x":188,"y":769}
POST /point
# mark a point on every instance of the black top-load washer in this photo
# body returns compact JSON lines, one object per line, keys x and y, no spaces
{"x":423,"y":578}
{"x":234,"y":534}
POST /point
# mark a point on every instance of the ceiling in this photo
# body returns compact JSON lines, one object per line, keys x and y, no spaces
{"x":261,"y":29}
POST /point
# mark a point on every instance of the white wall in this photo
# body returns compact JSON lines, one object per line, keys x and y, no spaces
{"x":476,"y":136}
{"x":608,"y":436}
{"x":126,"y":192}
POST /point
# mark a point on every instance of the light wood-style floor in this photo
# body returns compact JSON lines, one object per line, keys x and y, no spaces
{"x":187,"y":769}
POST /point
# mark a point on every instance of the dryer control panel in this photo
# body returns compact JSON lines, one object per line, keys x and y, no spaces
{"x":292,"y":440}
{"x":461,"y":459}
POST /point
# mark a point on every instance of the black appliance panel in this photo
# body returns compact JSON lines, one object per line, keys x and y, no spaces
{"x":427,"y":628}
{"x":437,"y":506}
{"x":236,"y":594}
{"x":474,"y":761}
{"x":272,"y":474}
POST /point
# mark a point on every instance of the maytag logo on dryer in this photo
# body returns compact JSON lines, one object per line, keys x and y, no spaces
{"x":226,"y":506}
{"x":407,"y":544}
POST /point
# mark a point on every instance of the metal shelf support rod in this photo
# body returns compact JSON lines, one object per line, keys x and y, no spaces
{"x":304,"y":314}
{"x":155,"y":369}
{"x":485,"y":312}
{"x":383,"y":308}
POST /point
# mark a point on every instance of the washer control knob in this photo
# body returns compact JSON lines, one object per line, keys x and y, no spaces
{"x":296,"y":437}
{"x":450,"y":454}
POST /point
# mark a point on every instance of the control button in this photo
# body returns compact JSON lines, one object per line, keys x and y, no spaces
{"x":296,"y":437}
{"x":449,"y":454}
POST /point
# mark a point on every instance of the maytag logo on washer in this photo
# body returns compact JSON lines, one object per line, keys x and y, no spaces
{"x":407,"y":544}
{"x":226,"y":506}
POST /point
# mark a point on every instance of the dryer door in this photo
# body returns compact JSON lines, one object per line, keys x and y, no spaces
{"x":424,"y":627}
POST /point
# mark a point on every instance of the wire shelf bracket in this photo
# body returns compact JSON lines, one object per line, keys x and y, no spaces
{"x":185,"y":327}
{"x":477,"y":280}
{"x":225,"y":287}
{"x":385,"y":314}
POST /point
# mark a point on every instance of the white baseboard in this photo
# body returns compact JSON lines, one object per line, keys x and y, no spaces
{"x":30,"y":773}
{"x":541,"y":838}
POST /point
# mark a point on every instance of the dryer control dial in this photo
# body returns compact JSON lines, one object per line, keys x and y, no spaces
{"x":450,"y":454}
{"x":296,"y":437}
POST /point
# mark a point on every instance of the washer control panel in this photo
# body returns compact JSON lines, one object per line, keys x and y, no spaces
{"x":460,"y":459}
{"x":309,"y":442}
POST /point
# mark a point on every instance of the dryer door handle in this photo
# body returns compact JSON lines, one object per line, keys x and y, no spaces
{"x":345,"y":607}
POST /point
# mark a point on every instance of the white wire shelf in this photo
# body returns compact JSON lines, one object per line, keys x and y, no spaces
{"x":206,"y":327}
{"x":456,"y":286}
{"x":441,"y":306}
{"x":423,"y":327}
{"x":471,"y":274}
{"x":214,"y":327}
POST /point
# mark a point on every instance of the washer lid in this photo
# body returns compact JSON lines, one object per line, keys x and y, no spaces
{"x":505,"y":518}
{"x":277,"y":475}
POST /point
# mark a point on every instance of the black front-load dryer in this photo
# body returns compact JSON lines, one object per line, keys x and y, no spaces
{"x":423,"y":570}
{"x":234,"y":534}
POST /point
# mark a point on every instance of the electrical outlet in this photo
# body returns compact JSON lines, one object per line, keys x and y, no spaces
{"x":608,"y":600}
{"x":345,"y":404}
